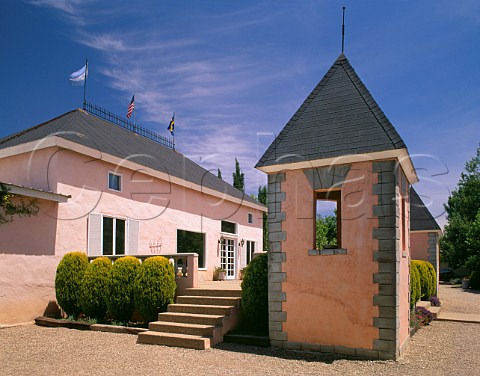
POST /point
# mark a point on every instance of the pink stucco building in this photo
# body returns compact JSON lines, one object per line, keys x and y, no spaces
{"x":351,"y":297}
{"x":106,"y":190}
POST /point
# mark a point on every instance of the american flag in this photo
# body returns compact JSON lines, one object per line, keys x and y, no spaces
{"x":131,"y":107}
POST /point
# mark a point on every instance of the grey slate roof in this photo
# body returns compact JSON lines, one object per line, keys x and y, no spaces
{"x":420,"y":217}
{"x":339,"y":117}
{"x":88,"y":130}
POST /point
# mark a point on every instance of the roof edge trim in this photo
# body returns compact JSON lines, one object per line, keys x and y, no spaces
{"x":400,"y":154}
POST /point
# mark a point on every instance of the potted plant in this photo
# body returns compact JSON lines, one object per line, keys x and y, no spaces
{"x":219,"y":273}
{"x":242,"y":272}
{"x":465,"y":283}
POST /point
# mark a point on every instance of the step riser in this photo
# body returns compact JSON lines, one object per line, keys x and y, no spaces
{"x":206,"y":300}
{"x":194,"y":343}
{"x":207,"y":292}
{"x":199,"y":310}
{"x":159,"y":327}
{"x":191,"y":319}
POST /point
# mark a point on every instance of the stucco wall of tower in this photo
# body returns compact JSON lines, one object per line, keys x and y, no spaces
{"x":419,"y":245}
{"x":425,"y":246}
{"x":329,"y":298}
{"x":161,"y":208}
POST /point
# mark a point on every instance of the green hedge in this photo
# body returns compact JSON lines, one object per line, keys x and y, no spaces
{"x":68,"y":280}
{"x":428,"y":278}
{"x":119,"y":292}
{"x":415,"y":289}
{"x":255,"y":293}
{"x":93,"y":288}
{"x":154,"y":287}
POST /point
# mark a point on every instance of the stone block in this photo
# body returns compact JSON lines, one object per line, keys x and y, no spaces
{"x":274,"y":207}
{"x":276,"y":178}
{"x":381,"y":345}
{"x":313,"y":252}
{"x":275,"y":227}
{"x":383,"y":166}
{"x":386,"y":289}
{"x":277,"y":316}
{"x":276,"y":217}
{"x":345,"y":350}
{"x":276,"y":197}
{"x":384,"y":278}
{"x":277,"y":336}
{"x":277,"y":297}
{"x":276,"y":277}
{"x":274,"y":188}
{"x":293,"y":345}
{"x":388,"y":334}
{"x":311,"y":347}
{"x":327,"y":348}
{"x":387,"y":267}
{"x":277,"y":236}
{"x":385,"y":300}
{"x":387,"y":221}
{"x":274,"y":307}
{"x":274,"y":267}
{"x":274,"y":287}
{"x":381,"y":189}
{"x":385,"y":256}
{"x":384,"y":323}
{"x":275,"y":247}
{"x":384,"y":209}
{"x":388,"y":312}
{"x":275,"y":326}
{"x":366,"y":353}
{"x":340,"y":251}
{"x":275,"y":343}
{"x":277,"y":257}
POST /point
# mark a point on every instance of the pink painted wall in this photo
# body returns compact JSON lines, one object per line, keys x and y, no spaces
{"x":161,"y":207}
{"x":330,"y":298}
{"x":419,"y":245}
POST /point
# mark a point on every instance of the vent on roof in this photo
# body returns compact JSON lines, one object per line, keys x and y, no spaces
{"x":118,"y":120}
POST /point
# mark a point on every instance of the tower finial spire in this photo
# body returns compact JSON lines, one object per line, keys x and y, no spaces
{"x":343,"y":29}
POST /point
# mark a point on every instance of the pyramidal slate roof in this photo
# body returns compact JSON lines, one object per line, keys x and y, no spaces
{"x":93,"y":132}
{"x":339,"y":117}
{"x":420,"y":217}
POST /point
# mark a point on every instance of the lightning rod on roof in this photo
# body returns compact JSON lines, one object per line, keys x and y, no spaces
{"x":343,"y":29}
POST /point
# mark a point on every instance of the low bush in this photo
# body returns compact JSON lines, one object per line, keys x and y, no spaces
{"x":433,"y":279}
{"x":475,"y":280}
{"x":154,"y":287}
{"x":119,"y":292}
{"x":255,"y":293}
{"x":425,"y":278}
{"x":415,"y":289}
{"x":68,"y":279}
{"x":423,"y":316}
{"x":93,"y":288}
{"x":435,"y":302}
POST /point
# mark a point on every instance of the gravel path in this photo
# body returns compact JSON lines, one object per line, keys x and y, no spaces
{"x":444,"y":348}
{"x":454,"y":299}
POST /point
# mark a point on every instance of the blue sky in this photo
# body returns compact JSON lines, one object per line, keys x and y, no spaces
{"x":234,"y":72}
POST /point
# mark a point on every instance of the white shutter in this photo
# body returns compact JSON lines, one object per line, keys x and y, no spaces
{"x":133,"y":228}
{"x":95,"y":235}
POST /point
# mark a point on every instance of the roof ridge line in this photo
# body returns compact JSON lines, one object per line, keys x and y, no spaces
{"x":21,"y":133}
{"x":322,"y":83}
{"x":366,"y":102}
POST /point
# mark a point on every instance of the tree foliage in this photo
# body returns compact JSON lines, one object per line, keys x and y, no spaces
{"x":238,"y":177}
{"x":219,"y":173}
{"x":11,"y":205}
{"x":326,"y":230}
{"x":460,"y":244}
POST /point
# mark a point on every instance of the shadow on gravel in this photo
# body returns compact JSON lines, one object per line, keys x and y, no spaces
{"x":274,"y":352}
{"x":471,"y":291}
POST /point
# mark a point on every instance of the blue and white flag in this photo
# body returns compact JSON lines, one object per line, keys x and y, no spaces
{"x":79,"y":77}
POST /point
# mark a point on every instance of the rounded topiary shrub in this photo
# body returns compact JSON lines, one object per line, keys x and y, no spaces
{"x":154,"y":287}
{"x":68,"y":280}
{"x":415,"y":289}
{"x":93,"y":288}
{"x":255,"y":293}
{"x":119,"y":292}
{"x":432,"y":291}
{"x":475,"y":280}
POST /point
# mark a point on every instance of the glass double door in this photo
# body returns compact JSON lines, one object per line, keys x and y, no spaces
{"x":227,"y":257}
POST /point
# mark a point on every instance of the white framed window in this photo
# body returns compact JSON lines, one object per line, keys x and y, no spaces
{"x":114,"y":181}
{"x":112,"y":236}
{"x":229,"y":227}
{"x":250,"y":217}
{"x":250,"y":250}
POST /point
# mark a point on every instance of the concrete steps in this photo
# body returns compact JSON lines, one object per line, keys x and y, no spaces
{"x":197,"y":321}
{"x":427,"y":305}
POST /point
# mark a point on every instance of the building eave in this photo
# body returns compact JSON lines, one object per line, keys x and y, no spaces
{"x":36,"y":193}
{"x":399,"y":154}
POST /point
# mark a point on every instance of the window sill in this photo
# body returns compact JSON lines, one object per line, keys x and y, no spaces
{"x":327,"y":252}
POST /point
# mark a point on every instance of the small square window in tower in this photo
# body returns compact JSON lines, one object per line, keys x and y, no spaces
{"x":327,"y":220}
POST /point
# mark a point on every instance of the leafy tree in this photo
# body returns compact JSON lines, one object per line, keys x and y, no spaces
{"x":11,"y":205}
{"x":219,"y":173}
{"x":262,"y":197}
{"x":238,"y":177}
{"x":460,"y":243}
{"x":326,"y":230}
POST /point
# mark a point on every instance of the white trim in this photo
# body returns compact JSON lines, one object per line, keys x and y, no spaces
{"x":439,"y":232}
{"x":73,"y":146}
{"x":114,"y":237}
{"x":36,"y":193}
{"x":120,"y":181}
{"x":400,"y":154}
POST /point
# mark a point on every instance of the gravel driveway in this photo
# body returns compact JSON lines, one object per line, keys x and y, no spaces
{"x":444,"y":348}
{"x":454,"y":299}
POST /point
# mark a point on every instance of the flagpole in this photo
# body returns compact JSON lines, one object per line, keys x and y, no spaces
{"x":85,"y":86}
{"x":134,"y":122}
{"x":173,"y":134}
